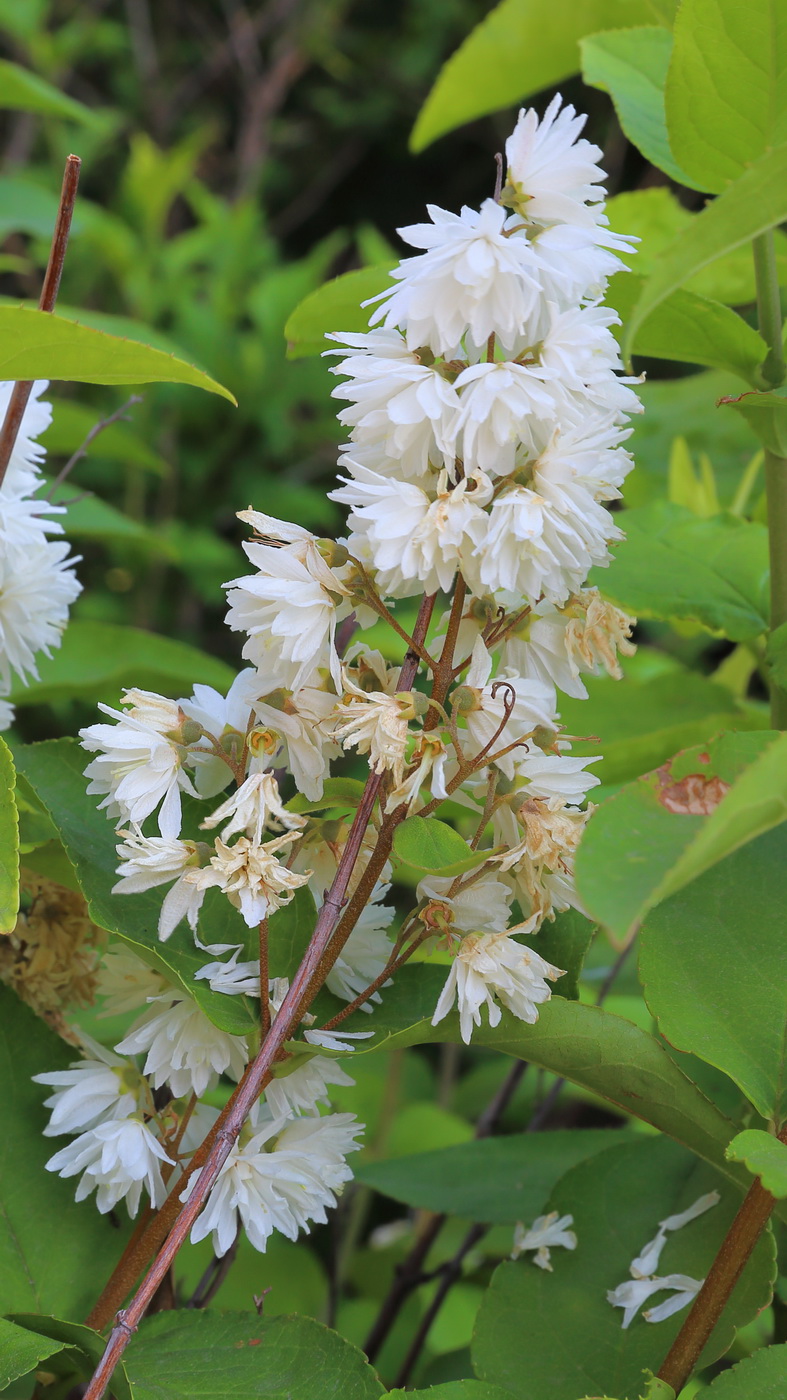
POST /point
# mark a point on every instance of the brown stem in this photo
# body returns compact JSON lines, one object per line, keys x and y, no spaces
{"x":443,"y":673}
{"x":91,"y":436}
{"x":256,"y":1076}
{"x":724,"y":1273}
{"x":393,"y":964}
{"x":46,"y":302}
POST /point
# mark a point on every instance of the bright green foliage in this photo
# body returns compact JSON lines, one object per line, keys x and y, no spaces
{"x":713,"y":963}
{"x":97,"y":659}
{"x":54,"y":1254}
{"x":691,"y":329}
{"x":776,"y":654}
{"x":754,"y":203}
{"x":219,"y":1356}
{"x":336,"y":306}
{"x":564,"y":942}
{"x":55,"y":772}
{"x":23,"y":91}
{"x":617,"y":1200}
{"x":120,"y":442}
{"x":672,"y":565}
{"x":289,"y":931}
{"x":522,"y":47}
{"x":83,"y":1349}
{"x":631,"y":65}
{"x":659,"y":833}
{"x":762,"y":1376}
{"x":338,"y":794}
{"x":726,"y":92}
{"x":765,"y":1156}
{"x":90,"y":518}
{"x":424,"y":843}
{"x":454,"y":1390}
{"x":21,"y":1351}
{"x":766,"y":415}
{"x":497,"y":1180}
{"x":9,"y":842}
{"x":38,"y":345}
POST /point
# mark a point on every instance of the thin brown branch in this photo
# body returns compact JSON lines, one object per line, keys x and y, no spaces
{"x":81,"y":451}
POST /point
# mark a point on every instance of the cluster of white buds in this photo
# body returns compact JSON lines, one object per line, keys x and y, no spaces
{"x":487,"y":416}
{"x":37,"y":579}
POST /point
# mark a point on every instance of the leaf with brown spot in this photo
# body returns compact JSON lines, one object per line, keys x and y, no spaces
{"x":692,"y":796}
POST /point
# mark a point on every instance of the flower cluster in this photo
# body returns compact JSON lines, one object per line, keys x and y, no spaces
{"x":37,"y":579}
{"x":486,"y":424}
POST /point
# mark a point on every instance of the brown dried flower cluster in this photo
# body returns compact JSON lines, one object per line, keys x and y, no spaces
{"x":51,"y":956}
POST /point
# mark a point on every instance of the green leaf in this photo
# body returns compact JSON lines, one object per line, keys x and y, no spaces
{"x":71,"y":423}
{"x":726,"y":92}
{"x":672,"y":565}
{"x":753,"y":204}
{"x":54,"y":1254}
{"x":616,"y":1200}
{"x":765,"y":1157}
{"x":54,"y":770}
{"x":28,"y":207}
{"x":713,"y":964}
{"x":759,"y":1377}
{"x":221,"y":1356}
{"x":41,"y":345}
{"x":766,"y":415}
{"x":631,"y":65}
{"x":454,"y":1390}
{"x":90,"y":518}
{"x":564,"y":941}
{"x":338,"y":793}
{"x":85,"y":1347}
{"x":9,"y":842}
{"x":776,"y":655}
{"x":334,"y":308}
{"x":23,"y":91}
{"x":289,"y":933}
{"x":97,"y":659}
{"x":520,"y":48}
{"x":663,"y":830}
{"x":21,"y":1351}
{"x":424,"y":843}
{"x":495,"y":1180}
{"x":692,"y":330}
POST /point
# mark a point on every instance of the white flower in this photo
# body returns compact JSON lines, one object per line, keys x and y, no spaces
{"x":37,"y":587}
{"x":506,"y":413}
{"x":634,"y":1292}
{"x":126,"y":982}
{"x":117,"y":1159}
{"x":400,"y":406}
{"x":539,"y":841}
{"x":539,"y":650}
{"x":293,"y":732}
{"x":470,"y":278}
{"x":647,"y":1261}
{"x":289,"y":607}
{"x":139,"y":768}
{"x":375,"y":723}
{"x":492,"y":964}
{"x":415,"y":544}
{"x":430,"y":760}
{"x":23,"y":472}
{"x":226,"y":717}
{"x":251,"y":808}
{"x":252,"y":878}
{"x":552,"y":174}
{"x":304,"y":1088}
{"x":579,"y":356}
{"x":91,"y":1091}
{"x":529,"y":705}
{"x":483,"y":906}
{"x":596,"y":633}
{"x":184,"y":1048}
{"x":547,"y":1232}
{"x":151,"y":709}
{"x":280,"y":1185}
{"x":366,"y":951}
{"x":232,"y":978}
{"x":149,"y":861}
{"x":7,"y":713}
{"x":555,"y":775}
{"x":335,"y":1040}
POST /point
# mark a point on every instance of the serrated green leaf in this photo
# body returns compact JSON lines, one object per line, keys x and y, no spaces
{"x":726,"y":90}
{"x":765,"y":1156}
{"x":97,"y":659}
{"x":334,"y":308}
{"x":672,"y":565}
{"x":85,"y":1347}
{"x":713,"y":964}
{"x":520,"y":48}
{"x":762,"y":1376}
{"x":220,"y":1356}
{"x":616,"y":1200}
{"x":424,"y":843}
{"x":21,"y":1351}
{"x":454,"y":1390}
{"x":631,"y":65}
{"x":23,"y":91}
{"x":44,"y":345}
{"x":9,"y":842}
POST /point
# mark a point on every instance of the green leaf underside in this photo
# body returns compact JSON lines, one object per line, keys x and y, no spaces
{"x":756,"y":202}
{"x":343,"y":793}
{"x":674,"y":565}
{"x":9,"y":842}
{"x":55,"y":770}
{"x":713,"y":963}
{"x":766,"y":415}
{"x":726,"y":91}
{"x":21,"y":1351}
{"x":23,"y":91}
{"x":645,"y":842}
{"x":336,"y":307}
{"x":631,"y":65}
{"x":54,"y":1253}
{"x":765,"y":1156}
{"x":691,"y":329}
{"x":762,"y":1376}
{"x":42,"y":345}
{"x":520,"y":48}
{"x":617,"y":1200}
{"x":424,"y":843}
{"x":85,"y":1346}
{"x":223,"y":1355}
{"x":97,"y":659}
{"x":495,"y":1180}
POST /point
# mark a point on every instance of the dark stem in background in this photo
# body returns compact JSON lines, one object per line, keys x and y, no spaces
{"x":46,"y":302}
{"x":97,"y":428}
